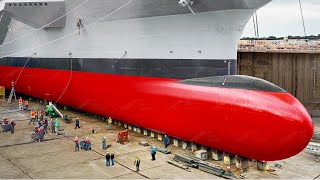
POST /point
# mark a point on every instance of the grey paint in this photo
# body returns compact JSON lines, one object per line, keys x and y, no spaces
{"x":145,"y":29}
{"x":37,"y":14}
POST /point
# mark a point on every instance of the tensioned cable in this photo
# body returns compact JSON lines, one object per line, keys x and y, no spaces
{"x":302,"y":17}
{"x":22,"y":69}
{"x":65,"y":89}
{"x":36,"y":30}
{"x":63,"y":37}
{"x":257,"y":24}
{"x":254,"y":26}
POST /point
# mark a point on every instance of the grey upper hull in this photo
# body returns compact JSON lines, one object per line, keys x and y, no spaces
{"x":144,"y":29}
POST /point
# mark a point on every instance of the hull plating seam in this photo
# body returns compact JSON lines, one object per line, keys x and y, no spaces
{"x":162,"y":68}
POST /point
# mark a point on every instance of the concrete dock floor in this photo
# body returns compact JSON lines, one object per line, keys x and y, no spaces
{"x":55,"y":157}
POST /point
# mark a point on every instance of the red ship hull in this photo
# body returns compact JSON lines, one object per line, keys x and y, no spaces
{"x":254,"y":124}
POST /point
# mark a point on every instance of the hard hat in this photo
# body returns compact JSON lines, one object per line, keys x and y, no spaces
{"x":87,"y":138}
{"x":76,"y":137}
{"x":104,"y":137}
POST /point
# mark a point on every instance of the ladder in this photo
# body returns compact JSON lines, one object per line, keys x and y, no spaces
{"x":12,"y":93}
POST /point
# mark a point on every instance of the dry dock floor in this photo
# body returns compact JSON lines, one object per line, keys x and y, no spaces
{"x":55,"y":158}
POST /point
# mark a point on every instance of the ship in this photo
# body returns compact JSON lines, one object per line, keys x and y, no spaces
{"x":168,"y":66}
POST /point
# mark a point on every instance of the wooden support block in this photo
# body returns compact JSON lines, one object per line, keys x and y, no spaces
{"x":115,"y":122}
{"x":217,"y":155}
{"x":229,"y":159}
{"x":262,"y":165}
{"x":129,"y":127}
{"x":134,"y":129}
{"x":138,"y":130}
{"x":119,"y":123}
{"x":125,"y":125}
{"x":184,"y":145}
{"x":204,"y":148}
{"x":160,"y":137}
{"x":175,"y":142}
{"x":194,"y":147}
{"x":242,"y":163}
{"x":145,"y":132}
{"x":154,"y":134}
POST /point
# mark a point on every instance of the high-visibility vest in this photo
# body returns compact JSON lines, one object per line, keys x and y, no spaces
{"x":26,"y":103}
{"x":20,"y":101}
{"x":33,"y":115}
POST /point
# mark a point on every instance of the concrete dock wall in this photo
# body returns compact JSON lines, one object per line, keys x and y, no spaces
{"x":298,"y":73}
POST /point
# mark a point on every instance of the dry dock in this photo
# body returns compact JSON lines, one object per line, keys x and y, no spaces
{"x":55,"y":157}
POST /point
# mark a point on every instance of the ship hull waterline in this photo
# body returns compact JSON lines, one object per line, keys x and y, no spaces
{"x":254,"y":124}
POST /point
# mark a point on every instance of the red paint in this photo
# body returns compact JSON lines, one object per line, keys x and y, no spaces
{"x":254,"y":124}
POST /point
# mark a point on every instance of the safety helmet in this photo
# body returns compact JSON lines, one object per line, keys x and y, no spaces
{"x":87,"y":138}
{"x":104,"y":137}
{"x":76,"y":137}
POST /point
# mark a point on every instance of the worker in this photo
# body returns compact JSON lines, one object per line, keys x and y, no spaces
{"x":52,"y":127}
{"x":137,"y":163}
{"x":104,"y":143}
{"x":229,"y":173}
{"x":4,"y":121}
{"x":88,"y":144}
{"x":45,"y":124}
{"x":39,"y":123}
{"x":26,"y":104}
{"x":112,"y":158}
{"x":42,"y":133}
{"x":37,"y":114}
{"x":108,"y":159}
{"x":109,"y":123}
{"x":33,"y":116}
{"x":13,"y":124}
{"x":166,"y":141}
{"x":77,"y":123}
{"x":20,"y":103}
{"x":76,"y":148}
{"x":153,"y":153}
{"x":41,"y":114}
{"x":56,"y":126}
{"x":13,"y":84}
{"x":36,"y":129}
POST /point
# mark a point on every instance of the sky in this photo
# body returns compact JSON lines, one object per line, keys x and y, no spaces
{"x":281,"y":18}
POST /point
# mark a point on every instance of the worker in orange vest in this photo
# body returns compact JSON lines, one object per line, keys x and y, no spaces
{"x":26,"y":104}
{"x":20,"y":104}
{"x":33,"y":116}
